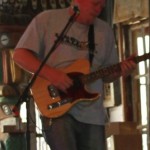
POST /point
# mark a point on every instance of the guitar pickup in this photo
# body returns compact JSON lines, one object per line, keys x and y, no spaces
{"x":53,"y":92}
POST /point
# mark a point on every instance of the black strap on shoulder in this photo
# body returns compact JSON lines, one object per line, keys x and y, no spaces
{"x":91,"y":43}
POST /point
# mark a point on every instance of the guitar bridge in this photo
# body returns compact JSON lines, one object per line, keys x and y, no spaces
{"x":60,"y":103}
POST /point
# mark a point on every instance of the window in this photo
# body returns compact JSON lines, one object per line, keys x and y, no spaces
{"x":141,"y":41}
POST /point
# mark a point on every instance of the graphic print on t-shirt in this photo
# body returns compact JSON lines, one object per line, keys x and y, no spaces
{"x":80,"y":45}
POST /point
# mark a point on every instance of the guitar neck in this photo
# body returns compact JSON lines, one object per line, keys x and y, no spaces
{"x":100,"y":73}
{"x":141,"y":58}
{"x":109,"y":70}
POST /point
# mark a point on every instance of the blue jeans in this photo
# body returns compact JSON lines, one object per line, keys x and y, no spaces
{"x":66,"y":133}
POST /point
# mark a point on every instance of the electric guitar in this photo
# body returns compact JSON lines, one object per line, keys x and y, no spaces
{"x":53,"y":103}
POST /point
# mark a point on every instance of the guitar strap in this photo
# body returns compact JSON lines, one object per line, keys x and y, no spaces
{"x":91,"y":43}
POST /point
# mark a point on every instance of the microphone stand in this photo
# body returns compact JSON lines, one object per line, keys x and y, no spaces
{"x":25,"y":95}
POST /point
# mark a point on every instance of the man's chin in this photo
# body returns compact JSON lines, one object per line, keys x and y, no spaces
{"x":85,"y":21}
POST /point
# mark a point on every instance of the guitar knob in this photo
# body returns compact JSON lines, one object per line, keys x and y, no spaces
{"x":53,"y":91}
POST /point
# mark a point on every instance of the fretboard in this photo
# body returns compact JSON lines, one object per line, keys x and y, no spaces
{"x":103,"y":72}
